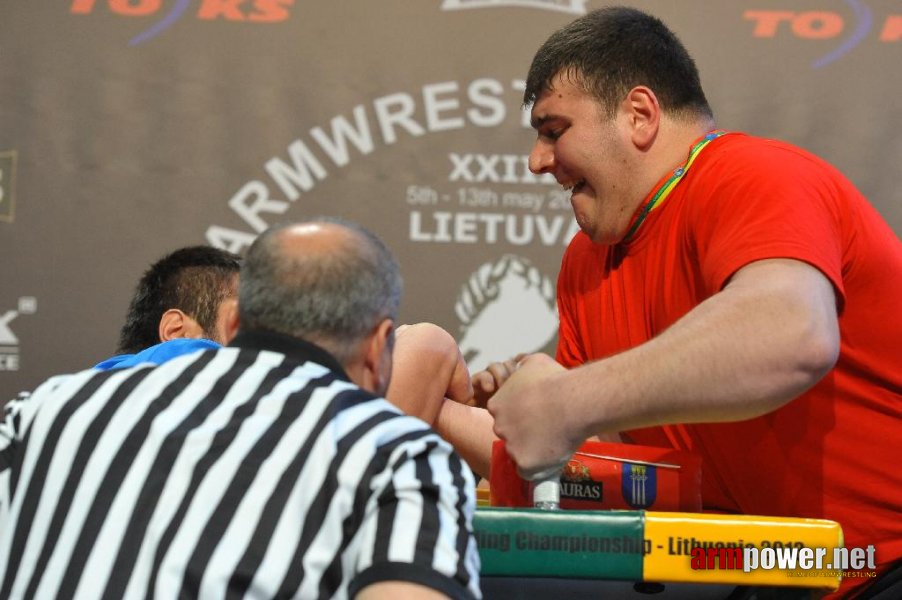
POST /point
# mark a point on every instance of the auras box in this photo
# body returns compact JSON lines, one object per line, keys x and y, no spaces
{"x":602,"y":475}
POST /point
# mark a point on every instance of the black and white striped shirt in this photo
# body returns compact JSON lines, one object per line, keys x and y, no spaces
{"x":257,"y":470}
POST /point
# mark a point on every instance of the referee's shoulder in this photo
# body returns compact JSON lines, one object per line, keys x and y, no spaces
{"x":386,"y":419}
{"x":66,"y":382}
{"x":414,"y":434}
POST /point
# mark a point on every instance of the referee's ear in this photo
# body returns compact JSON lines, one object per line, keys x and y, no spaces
{"x":377,"y":360}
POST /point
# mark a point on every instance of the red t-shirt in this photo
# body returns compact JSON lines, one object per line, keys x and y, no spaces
{"x":834,"y":451}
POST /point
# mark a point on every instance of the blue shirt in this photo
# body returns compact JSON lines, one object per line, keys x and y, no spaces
{"x":158,"y":354}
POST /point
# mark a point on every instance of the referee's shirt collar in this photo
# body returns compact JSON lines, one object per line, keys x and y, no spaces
{"x":294,"y":348}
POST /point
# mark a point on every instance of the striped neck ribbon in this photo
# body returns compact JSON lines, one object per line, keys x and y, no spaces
{"x":664,"y":188}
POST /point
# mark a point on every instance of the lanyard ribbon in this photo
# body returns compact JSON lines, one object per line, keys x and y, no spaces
{"x":664,"y":190}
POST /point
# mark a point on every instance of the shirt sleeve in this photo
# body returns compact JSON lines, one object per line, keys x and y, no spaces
{"x":772,"y":201}
{"x":11,"y":428}
{"x":420,"y":528}
{"x":16,"y":418}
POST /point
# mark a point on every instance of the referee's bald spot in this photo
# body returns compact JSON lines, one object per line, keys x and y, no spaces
{"x":316,"y":237}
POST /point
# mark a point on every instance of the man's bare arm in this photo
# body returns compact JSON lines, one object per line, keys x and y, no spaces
{"x":427,"y":368}
{"x":398,"y":590}
{"x":768,"y":336}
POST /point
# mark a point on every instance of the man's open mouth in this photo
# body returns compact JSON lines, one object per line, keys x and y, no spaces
{"x":575,"y":186}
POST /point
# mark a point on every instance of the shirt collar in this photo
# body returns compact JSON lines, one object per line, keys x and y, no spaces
{"x":667,"y":184}
{"x":294,"y":348}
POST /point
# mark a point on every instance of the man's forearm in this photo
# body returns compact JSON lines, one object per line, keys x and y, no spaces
{"x":744,"y":352}
{"x":469,"y":430}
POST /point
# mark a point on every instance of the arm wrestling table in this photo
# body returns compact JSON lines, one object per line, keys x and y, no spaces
{"x":570,"y":555}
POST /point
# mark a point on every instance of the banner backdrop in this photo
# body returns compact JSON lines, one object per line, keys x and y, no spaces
{"x":129,"y":128}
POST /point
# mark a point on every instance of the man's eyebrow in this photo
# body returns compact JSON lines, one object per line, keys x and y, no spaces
{"x":537,"y":122}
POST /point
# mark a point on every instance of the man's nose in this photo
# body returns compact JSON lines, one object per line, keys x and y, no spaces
{"x":541,"y":158}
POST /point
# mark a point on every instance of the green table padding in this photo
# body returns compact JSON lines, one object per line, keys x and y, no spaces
{"x":571,"y":543}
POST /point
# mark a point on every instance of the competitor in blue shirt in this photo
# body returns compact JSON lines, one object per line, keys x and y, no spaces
{"x":182,"y":304}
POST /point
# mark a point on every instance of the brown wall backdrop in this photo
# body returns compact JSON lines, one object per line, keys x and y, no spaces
{"x":129,"y":128}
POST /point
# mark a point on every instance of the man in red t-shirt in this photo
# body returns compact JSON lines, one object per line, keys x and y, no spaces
{"x":728,"y":295}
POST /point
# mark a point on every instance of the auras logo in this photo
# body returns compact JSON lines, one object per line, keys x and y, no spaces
{"x":250,"y":11}
{"x":848,"y":30}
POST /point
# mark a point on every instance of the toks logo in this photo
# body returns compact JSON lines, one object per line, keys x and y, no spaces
{"x":821,"y":25}
{"x":251,"y":11}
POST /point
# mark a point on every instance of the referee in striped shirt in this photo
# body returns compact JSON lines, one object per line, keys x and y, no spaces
{"x":269,"y":468}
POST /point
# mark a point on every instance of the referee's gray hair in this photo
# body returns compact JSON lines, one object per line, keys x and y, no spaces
{"x":331,"y":298}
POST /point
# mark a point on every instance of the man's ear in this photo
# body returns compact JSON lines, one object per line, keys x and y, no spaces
{"x":644,"y":116}
{"x":175,"y":324}
{"x":230,"y":319}
{"x":377,"y":359}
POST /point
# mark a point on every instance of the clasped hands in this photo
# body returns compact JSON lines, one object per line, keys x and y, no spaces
{"x":525,"y":398}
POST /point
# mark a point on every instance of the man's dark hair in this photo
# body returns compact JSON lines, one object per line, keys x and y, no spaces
{"x":610,"y":51}
{"x":332,"y":298}
{"x":194,"y":280}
